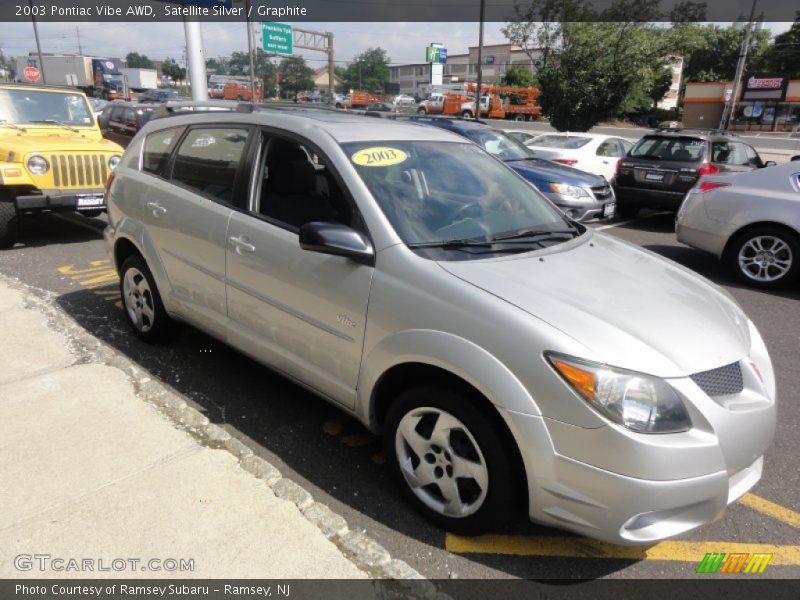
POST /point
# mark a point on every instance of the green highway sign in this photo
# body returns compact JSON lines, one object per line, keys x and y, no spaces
{"x":277,"y":38}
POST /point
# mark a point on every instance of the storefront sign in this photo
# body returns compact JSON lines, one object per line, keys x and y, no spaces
{"x":760,"y":86}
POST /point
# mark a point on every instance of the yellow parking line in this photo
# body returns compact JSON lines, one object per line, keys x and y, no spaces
{"x":776,"y":511}
{"x":578,"y":547}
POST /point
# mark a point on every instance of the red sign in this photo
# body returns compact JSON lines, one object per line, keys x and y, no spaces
{"x":32,"y":73}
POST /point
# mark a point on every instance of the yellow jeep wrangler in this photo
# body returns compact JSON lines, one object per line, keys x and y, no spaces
{"x":52,"y":155}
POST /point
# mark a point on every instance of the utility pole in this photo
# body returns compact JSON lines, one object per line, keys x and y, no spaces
{"x":730,"y":106}
{"x":480,"y":62}
{"x":250,"y":52}
{"x":331,"y":69}
{"x":38,"y":44}
{"x":80,"y":48}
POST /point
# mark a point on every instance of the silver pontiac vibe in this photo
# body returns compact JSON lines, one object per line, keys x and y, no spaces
{"x":510,"y":357}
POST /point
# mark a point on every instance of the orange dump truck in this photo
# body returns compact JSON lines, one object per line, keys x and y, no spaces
{"x":505,"y":102}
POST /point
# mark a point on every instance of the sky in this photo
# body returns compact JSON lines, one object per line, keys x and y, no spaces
{"x":404,"y":42}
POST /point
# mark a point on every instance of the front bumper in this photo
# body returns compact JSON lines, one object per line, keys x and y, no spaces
{"x":615,"y":508}
{"x":584,"y":208}
{"x":61,"y":200}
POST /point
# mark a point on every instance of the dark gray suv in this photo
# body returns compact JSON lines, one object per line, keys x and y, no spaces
{"x":663,"y":166}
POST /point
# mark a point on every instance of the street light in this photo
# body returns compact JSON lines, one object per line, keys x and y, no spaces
{"x":480,"y":61}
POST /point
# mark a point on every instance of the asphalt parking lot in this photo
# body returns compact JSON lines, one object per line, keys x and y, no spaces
{"x":341,"y":464}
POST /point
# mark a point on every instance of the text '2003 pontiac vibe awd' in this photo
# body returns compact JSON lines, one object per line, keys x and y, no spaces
{"x":510,"y":356}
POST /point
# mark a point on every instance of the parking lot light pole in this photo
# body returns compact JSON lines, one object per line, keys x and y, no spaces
{"x":196,"y":60}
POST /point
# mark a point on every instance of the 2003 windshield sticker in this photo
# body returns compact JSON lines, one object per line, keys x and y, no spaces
{"x":379,"y":157}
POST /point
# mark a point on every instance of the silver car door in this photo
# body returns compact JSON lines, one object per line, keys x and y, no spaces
{"x":301,"y":312}
{"x":187,"y":217}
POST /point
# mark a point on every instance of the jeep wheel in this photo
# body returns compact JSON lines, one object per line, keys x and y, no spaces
{"x":765,"y":257}
{"x":450,"y":461}
{"x":91,"y":213}
{"x":9,"y":224}
{"x":142,"y":302}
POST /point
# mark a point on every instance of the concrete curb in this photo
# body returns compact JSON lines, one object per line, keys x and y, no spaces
{"x":365,"y":553}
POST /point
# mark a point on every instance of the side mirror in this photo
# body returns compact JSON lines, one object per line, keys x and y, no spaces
{"x":771,"y":163}
{"x":338,"y":240}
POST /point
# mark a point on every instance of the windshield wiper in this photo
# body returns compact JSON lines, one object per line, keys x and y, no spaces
{"x":451,"y":244}
{"x":12,"y":125}
{"x":54,"y":122}
{"x":535,"y":233}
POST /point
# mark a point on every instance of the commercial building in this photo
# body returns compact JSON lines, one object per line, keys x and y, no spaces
{"x":766,"y":103}
{"x":459,"y":68}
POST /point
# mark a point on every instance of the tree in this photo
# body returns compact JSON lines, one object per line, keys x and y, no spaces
{"x":518,"y":76}
{"x":368,"y":71}
{"x":138,"y":61}
{"x":660,"y":86}
{"x":711,"y":52}
{"x":295,"y":75}
{"x":590,"y":64}
{"x":171,"y":69}
{"x":784,"y":55}
{"x":219,"y":66}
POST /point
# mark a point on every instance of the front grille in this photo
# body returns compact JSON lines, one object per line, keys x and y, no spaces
{"x":720,"y":382}
{"x":601,"y":192}
{"x":79,"y":170}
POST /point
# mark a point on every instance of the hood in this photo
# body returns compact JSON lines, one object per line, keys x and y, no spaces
{"x":536,"y":169}
{"x":37,"y":139}
{"x":630,"y":308}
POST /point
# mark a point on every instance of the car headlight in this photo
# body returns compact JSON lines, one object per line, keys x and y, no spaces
{"x":640,"y":402}
{"x":38,"y":165}
{"x":569,"y":190}
{"x":114,"y":161}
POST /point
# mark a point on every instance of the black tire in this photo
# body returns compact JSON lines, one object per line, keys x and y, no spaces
{"x":9,"y":224}
{"x":788,"y":249}
{"x":519,"y":117}
{"x":422,"y":111}
{"x":466,"y":114}
{"x":500,"y":501}
{"x":91,"y":213}
{"x":626,"y":210}
{"x":161,"y":326}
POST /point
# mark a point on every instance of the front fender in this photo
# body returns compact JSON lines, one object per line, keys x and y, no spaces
{"x":449,"y":352}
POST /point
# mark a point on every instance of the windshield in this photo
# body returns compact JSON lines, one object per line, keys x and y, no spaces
{"x":669,"y":148}
{"x":30,"y":106}
{"x":500,"y":144}
{"x":569,"y":142}
{"x":440,"y":191}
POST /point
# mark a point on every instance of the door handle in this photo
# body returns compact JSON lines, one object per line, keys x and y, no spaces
{"x":156,"y":208}
{"x":242,"y":245}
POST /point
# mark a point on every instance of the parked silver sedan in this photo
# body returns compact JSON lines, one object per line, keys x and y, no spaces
{"x":749,"y":220}
{"x":510,"y":357}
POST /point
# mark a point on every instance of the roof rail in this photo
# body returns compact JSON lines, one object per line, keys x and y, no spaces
{"x":177,"y":107}
{"x":699,"y":130}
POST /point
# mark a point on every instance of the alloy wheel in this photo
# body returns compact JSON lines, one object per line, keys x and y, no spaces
{"x":138,"y":300}
{"x":441,"y":462}
{"x":765,"y":258}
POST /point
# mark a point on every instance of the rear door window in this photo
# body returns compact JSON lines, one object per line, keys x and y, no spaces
{"x":608,"y":148}
{"x":684,"y":149}
{"x":157,"y":148}
{"x":208,"y":160}
{"x":729,"y":153}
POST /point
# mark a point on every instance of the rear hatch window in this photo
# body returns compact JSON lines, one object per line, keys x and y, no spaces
{"x":679,"y":149}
